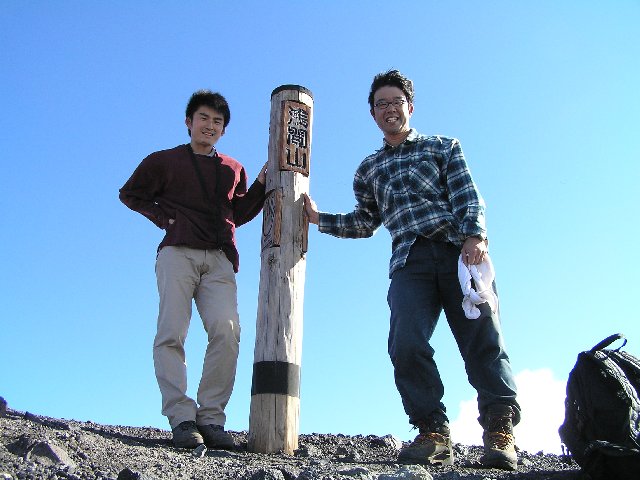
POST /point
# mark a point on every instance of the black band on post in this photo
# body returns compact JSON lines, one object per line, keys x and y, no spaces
{"x":281,"y":378}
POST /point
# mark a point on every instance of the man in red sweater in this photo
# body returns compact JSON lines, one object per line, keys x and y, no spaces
{"x":198,"y":197}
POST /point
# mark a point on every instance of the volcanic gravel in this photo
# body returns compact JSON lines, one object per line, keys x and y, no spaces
{"x":40,"y":447}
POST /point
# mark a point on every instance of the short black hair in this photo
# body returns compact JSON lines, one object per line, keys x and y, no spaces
{"x":391,"y":78}
{"x":209,"y":99}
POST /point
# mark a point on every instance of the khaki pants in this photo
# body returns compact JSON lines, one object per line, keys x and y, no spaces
{"x":206,"y":276}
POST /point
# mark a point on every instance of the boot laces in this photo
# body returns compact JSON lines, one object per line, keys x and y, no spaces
{"x":431,"y":432}
{"x":430,"y":437}
{"x":499,"y":440}
{"x":500,"y":432}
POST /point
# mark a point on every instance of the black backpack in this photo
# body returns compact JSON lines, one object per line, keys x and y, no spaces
{"x":601,"y":427}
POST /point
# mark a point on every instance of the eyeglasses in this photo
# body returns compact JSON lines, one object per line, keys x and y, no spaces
{"x":383,"y":104}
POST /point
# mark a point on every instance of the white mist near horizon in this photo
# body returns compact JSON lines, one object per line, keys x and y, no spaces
{"x":541,"y":398}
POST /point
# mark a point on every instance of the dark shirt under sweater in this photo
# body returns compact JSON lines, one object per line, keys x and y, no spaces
{"x":166,"y":186}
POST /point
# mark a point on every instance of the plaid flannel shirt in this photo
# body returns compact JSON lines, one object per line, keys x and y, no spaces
{"x":422,"y":187}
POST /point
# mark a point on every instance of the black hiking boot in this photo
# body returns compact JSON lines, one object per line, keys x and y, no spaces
{"x":216,"y":437}
{"x":186,"y":435}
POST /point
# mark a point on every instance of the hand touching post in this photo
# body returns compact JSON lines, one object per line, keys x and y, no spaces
{"x":311,"y":210}
{"x":262,"y":176}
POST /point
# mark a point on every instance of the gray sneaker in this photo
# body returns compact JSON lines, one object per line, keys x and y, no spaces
{"x":499,"y":443}
{"x":186,"y":435}
{"x":216,"y":437}
{"x":432,"y":445}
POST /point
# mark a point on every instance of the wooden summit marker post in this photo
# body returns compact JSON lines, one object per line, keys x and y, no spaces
{"x":275,"y":389}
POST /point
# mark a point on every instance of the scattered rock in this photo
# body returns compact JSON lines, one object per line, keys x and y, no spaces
{"x":307,"y":451}
{"x":30,"y":416}
{"x":412,"y":472}
{"x":290,"y":473}
{"x":128,"y":474}
{"x":48,"y":454}
{"x":358,"y":473}
{"x":199,"y":451}
{"x":388,"y":441}
{"x":524,"y":461}
{"x":267,"y":474}
{"x":39,"y":447}
{"x":309,"y":474}
{"x":3,"y":407}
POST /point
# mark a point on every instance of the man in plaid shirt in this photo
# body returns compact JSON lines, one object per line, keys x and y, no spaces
{"x":420,"y":188}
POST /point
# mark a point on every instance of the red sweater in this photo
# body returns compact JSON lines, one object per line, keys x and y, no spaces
{"x":166,"y":186}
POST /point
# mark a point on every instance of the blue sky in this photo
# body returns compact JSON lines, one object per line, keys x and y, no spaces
{"x":543,"y":96}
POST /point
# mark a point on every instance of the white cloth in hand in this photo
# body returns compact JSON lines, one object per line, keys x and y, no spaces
{"x":483,"y":276}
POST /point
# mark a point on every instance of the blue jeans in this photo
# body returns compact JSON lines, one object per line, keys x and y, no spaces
{"x":427,"y":284}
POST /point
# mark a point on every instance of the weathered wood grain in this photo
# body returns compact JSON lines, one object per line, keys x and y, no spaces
{"x":275,"y":403}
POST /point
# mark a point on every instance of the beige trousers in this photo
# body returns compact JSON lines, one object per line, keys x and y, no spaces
{"x":206,"y":276}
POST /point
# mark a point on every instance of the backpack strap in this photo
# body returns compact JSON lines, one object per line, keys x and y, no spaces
{"x":608,"y":341}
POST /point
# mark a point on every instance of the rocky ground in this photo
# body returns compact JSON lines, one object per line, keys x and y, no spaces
{"x":39,"y":447}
